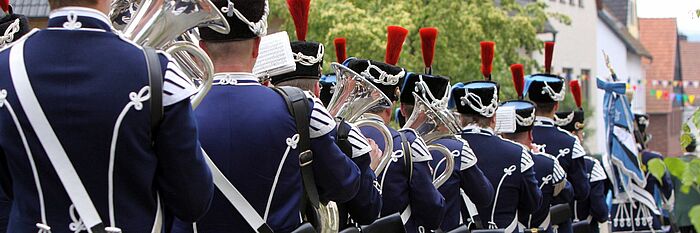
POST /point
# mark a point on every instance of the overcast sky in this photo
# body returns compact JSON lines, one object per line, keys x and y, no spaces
{"x":683,"y":10}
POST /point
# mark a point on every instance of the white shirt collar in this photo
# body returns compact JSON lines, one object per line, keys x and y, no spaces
{"x":235,"y":78}
{"x":474,"y":128}
{"x":544,"y":121}
{"x":80,"y":11}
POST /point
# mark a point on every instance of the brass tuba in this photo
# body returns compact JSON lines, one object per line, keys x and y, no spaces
{"x":433,"y":123}
{"x":354,"y":96}
{"x":165,"y":24}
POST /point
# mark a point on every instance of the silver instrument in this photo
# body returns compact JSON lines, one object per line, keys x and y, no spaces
{"x":432,"y":124}
{"x":165,"y":24}
{"x":354,"y":96}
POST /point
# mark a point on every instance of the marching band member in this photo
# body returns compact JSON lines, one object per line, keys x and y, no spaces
{"x":249,"y":133}
{"x":549,"y":174}
{"x":364,"y":208}
{"x":594,"y":208}
{"x":507,"y":165}
{"x":14,"y":26}
{"x":654,"y":186}
{"x":465,"y":172}
{"x":547,"y":90}
{"x":406,"y":184}
{"x":119,"y":158}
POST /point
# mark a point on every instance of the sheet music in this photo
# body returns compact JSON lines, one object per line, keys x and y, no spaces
{"x":275,"y":56}
{"x":505,"y":119}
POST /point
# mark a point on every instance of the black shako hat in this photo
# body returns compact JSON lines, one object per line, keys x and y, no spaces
{"x":545,"y":88}
{"x":476,"y":98}
{"x":13,"y":26}
{"x":308,"y":57}
{"x":570,"y":120}
{"x":386,"y":77}
{"x":524,"y":114}
{"x":437,"y":86}
{"x":246,"y":18}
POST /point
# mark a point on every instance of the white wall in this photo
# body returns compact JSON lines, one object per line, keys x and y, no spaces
{"x":606,"y":41}
{"x":636,"y":73}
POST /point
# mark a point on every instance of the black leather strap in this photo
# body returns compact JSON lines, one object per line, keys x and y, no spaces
{"x":155,"y":81}
{"x":298,"y":105}
{"x":407,"y":156}
{"x":341,"y":139}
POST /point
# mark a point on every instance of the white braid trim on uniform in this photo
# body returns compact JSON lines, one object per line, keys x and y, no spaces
{"x":136,"y":100}
{"x":43,"y":226}
{"x":564,"y":121}
{"x":384,"y":77}
{"x":10,"y":33}
{"x":522,"y":121}
{"x":309,"y":60}
{"x":395,"y":156}
{"x":552,"y":94}
{"x":486,"y":111}
{"x":258,"y":28}
{"x":423,"y":89}
{"x":291,"y":144}
{"x":506,"y":172}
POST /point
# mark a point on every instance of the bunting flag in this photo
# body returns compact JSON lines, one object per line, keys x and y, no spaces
{"x":691,"y":99}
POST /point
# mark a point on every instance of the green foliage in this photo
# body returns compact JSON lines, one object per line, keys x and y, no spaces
{"x":676,"y":166}
{"x":462,"y":25}
{"x":695,"y":217}
{"x":656,"y":168}
{"x":686,"y":134}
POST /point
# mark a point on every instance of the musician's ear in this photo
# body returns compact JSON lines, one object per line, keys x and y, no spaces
{"x":256,"y":45}
{"x":556,"y":107}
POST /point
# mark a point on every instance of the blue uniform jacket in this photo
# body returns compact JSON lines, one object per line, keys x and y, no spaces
{"x":509,"y":168}
{"x":465,"y":175}
{"x":567,"y":149}
{"x":248,"y":132}
{"x":595,"y":205}
{"x":366,"y":206}
{"x":93,"y":87}
{"x":549,"y":174}
{"x":427,"y":204}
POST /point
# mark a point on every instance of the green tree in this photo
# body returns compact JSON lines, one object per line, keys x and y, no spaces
{"x":462,"y":24}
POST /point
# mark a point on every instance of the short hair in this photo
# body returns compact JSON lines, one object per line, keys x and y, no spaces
{"x":55,"y":4}
{"x":304,"y":84}
{"x":218,"y":50}
{"x":481,"y":121}
{"x":544,"y":108}
{"x":377,"y":109}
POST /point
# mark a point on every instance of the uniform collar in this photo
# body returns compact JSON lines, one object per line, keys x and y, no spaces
{"x":544,"y":121}
{"x":79,"y":18}
{"x":235,"y":79}
{"x":476,"y":129}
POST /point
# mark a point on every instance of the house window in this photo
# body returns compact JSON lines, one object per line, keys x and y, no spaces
{"x":584,"y":79}
{"x":580,"y":3}
{"x":567,"y":72}
{"x":562,"y":1}
{"x":572,"y":2}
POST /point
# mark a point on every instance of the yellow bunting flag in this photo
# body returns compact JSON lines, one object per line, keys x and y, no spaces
{"x":659,"y":93}
{"x":691,"y":99}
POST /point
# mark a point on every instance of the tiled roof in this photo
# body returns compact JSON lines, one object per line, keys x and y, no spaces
{"x":31,"y":8}
{"x":618,"y":8}
{"x":621,"y":31}
{"x":660,"y":37}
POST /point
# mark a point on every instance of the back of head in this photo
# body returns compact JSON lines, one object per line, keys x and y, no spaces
{"x":248,"y":21}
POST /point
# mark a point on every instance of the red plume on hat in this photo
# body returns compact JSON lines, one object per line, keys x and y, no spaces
{"x":428,"y":37}
{"x":340,"y":49}
{"x":548,"y":53}
{"x":487,"y":51}
{"x":576,"y":92}
{"x":518,"y":73}
{"x":396,"y":35}
{"x":300,"y":14}
{"x":5,"y":4}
